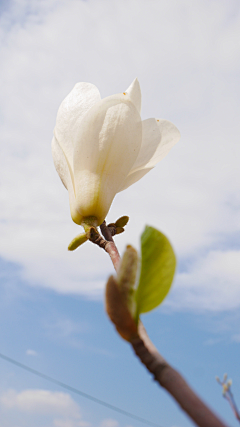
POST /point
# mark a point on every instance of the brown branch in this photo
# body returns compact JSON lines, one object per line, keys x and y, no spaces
{"x":229,"y":397}
{"x":108,"y":245}
{"x":227,"y":394}
{"x":166,"y":376}
{"x":112,"y":251}
{"x":173,"y":382}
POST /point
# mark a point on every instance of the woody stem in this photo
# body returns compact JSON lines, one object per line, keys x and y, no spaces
{"x":166,"y":376}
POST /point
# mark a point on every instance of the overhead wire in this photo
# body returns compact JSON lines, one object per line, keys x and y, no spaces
{"x":79,"y":392}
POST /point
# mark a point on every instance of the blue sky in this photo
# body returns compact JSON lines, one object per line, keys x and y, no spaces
{"x":186,"y":56}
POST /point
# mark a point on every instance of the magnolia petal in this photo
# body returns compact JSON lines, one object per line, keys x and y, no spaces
{"x":71,"y":111}
{"x":60,"y":163}
{"x":133,"y":177}
{"x":151,"y":137}
{"x":169,"y":136}
{"x":159,"y":136}
{"x":134,"y":94}
{"x":108,"y":144}
{"x":64,"y":171}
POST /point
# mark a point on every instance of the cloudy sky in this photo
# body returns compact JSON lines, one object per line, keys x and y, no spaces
{"x":186,"y":55}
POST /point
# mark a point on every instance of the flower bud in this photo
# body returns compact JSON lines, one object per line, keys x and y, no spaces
{"x":126,"y":277}
{"x":118,"y":311}
{"x":101,"y":147}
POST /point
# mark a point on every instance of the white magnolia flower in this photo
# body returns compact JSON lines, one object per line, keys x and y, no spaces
{"x":101,"y":147}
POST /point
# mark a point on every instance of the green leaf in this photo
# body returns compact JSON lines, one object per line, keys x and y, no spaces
{"x":157,"y":270}
{"x":119,"y":230}
{"x":121,"y":222}
{"x":77,"y":241}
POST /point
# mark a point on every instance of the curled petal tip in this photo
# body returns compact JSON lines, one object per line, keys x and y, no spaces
{"x":134,"y":93}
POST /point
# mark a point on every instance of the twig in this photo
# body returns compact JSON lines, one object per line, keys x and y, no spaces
{"x":227,"y":394}
{"x":163,"y":373}
{"x":233,"y":405}
{"x":112,"y":251}
{"x":108,"y":245}
{"x":173,"y":382}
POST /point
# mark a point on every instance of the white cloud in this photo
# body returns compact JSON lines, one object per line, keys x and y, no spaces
{"x":70,"y":423}
{"x":30,"y":352}
{"x":109,"y":422}
{"x":211,"y":283}
{"x":187,"y":58}
{"x":65,"y":328}
{"x":42,"y":402}
{"x":213,"y":341}
{"x":236,"y":338}
{"x":46,"y":407}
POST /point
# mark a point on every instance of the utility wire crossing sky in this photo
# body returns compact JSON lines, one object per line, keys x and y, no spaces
{"x":76,"y":391}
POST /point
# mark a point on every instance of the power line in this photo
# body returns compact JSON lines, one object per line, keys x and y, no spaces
{"x":76,"y":391}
